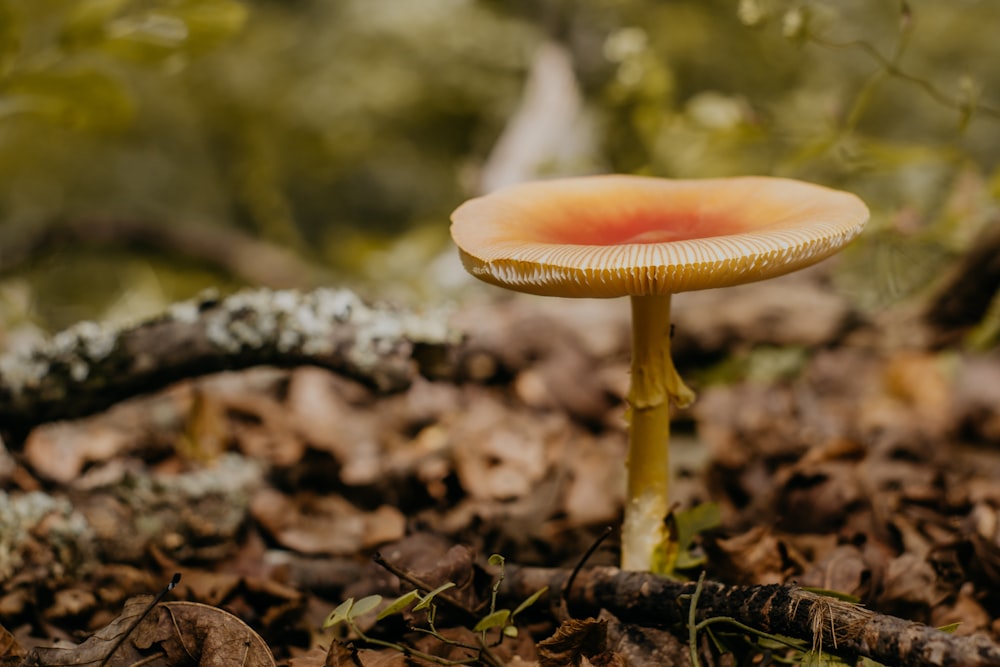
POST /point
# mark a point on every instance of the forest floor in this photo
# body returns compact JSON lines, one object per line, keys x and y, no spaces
{"x":842,"y":451}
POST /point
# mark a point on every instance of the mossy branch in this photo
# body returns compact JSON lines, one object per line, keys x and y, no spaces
{"x":837,"y":627}
{"x":90,"y":367}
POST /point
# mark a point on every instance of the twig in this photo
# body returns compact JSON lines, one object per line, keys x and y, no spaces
{"x":891,"y":68}
{"x":840,"y":627}
{"x":564,"y":592}
{"x":174,"y":580}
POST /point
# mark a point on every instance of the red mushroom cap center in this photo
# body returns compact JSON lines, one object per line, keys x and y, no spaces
{"x":640,"y":227}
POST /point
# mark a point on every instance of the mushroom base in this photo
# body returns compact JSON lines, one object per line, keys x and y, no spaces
{"x":644,"y":535}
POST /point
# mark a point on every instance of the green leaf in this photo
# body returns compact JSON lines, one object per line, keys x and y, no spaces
{"x":950,"y":628}
{"x":398,"y":605}
{"x":510,"y":631}
{"x":496,"y":560}
{"x":365,"y":605}
{"x":81,"y":98}
{"x":427,"y":599}
{"x":530,"y":600}
{"x":688,"y":524}
{"x":340,"y":614}
{"x":497,"y":619}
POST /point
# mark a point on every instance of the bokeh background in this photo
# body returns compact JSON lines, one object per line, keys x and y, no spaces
{"x":150,"y":149}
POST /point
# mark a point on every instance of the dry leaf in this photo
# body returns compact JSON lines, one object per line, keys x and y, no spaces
{"x":325,"y":524}
{"x":753,"y":557}
{"x":573,"y":642}
{"x":172,"y":634}
{"x":11,"y":651}
{"x":195,"y":634}
{"x":108,"y":645}
{"x":843,"y":570}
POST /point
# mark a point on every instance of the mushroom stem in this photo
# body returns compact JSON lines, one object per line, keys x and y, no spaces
{"x":655,"y":384}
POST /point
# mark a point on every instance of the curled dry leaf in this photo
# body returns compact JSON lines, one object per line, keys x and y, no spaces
{"x":574,"y":641}
{"x":172,"y":634}
{"x":189,"y":633}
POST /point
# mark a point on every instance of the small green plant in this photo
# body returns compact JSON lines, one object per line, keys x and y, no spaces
{"x":500,"y":620}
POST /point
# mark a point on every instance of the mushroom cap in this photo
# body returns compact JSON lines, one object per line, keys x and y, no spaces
{"x":616,"y":235}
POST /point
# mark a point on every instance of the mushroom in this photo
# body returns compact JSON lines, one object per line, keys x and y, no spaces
{"x":648,"y":238}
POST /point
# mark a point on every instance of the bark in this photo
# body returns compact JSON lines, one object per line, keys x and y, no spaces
{"x":837,"y":627}
{"x":90,"y":367}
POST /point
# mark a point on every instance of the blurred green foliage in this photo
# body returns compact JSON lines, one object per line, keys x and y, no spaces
{"x":337,"y":127}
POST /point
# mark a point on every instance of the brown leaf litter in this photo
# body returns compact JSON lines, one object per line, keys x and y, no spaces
{"x":871,"y":471}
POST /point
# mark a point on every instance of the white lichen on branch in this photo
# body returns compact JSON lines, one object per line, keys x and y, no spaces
{"x":78,"y":348}
{"x":307,"y":324}
{"x":89,"y":366}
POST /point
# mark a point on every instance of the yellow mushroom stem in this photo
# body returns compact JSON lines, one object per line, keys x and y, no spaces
{"x":655,"y":385}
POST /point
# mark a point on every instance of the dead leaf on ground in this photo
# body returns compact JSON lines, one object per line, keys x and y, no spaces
{"x":595,"y":490}
{"x":314,"y":657}
{"x":328,"y":524}
{"x":574,"y":641}
{"x":843,"y":570}
{"x":911,"y":584}
{"x":172,"y":634}
{"x":756,"y":556}
{"x":11,"y":651}
{"x":637,"y":646}
{"x":501,"y":454}
{"x":965,"y":611}
{"x":195,"y":634}
{"x":60,"y":452}
{"x":794,"y":310}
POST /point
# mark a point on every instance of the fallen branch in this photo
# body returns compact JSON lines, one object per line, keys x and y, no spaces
{"x":251,"y":260}
{"x":838,"y":627}
{"x":90,"y":367}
